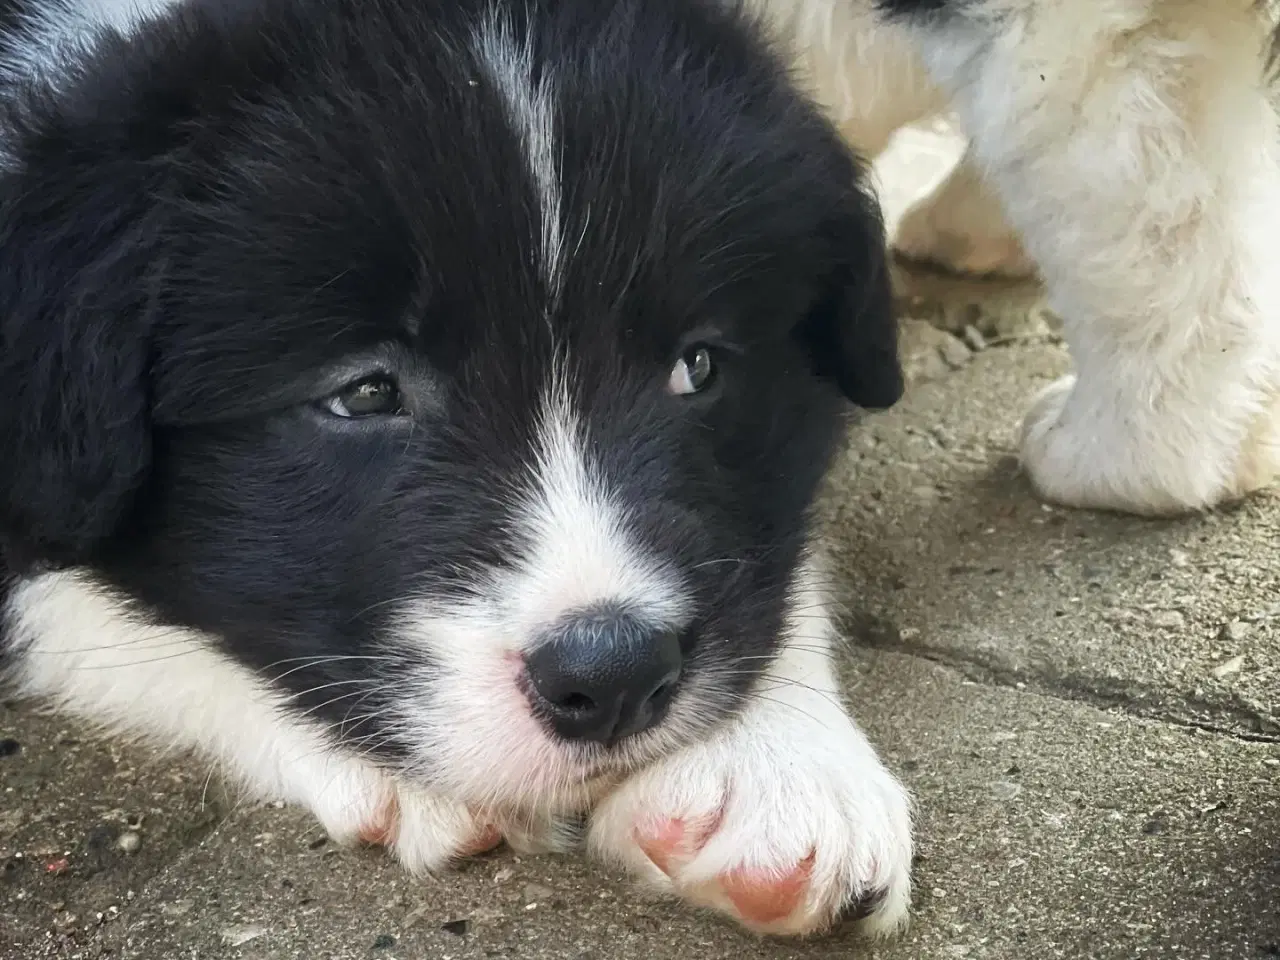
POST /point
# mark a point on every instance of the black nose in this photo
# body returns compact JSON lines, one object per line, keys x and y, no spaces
{"x":603,"y":676}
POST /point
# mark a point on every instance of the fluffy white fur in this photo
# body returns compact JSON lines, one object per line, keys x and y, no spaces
{"x":1133,"y":147}
{"x":793,"y":777}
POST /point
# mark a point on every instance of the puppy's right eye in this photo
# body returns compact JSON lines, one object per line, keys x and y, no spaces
{"x":692,"y":373}
{"x":375,"y":396}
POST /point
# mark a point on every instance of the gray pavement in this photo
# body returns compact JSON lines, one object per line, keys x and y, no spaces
{"x":1085,"y":707}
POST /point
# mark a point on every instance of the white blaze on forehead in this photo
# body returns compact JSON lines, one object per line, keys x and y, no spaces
{"x":530,"y":106}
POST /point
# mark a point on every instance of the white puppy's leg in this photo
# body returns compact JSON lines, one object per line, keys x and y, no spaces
{"x":1134,"y":146}
{"x":784,"y":819}
{"x":961,"y":227}
{"x":83,"y":649}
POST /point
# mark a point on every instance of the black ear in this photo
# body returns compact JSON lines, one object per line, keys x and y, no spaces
{"x":77,"y":235}
{"x":851,"y":329}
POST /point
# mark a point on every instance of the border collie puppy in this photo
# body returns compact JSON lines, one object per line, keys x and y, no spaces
{"x":1129,"y":150}
{"x":415,"y":408}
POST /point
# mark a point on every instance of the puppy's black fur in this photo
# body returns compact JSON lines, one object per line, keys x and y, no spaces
{"x":212,"y":226}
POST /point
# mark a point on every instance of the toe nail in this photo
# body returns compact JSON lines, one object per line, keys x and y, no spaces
{"x":865,"y":905}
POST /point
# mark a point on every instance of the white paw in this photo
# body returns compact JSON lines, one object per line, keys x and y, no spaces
{"x":1102,"y":449}
{"x":783,"y":823}
{"x":1073,"y":458}
{"x":424,"y":829}
{"x":357,"y":803}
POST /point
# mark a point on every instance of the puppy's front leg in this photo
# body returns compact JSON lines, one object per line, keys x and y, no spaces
{"x":1134,"y":146}
{"x":785,"y":819}
{"x":78,"y":645}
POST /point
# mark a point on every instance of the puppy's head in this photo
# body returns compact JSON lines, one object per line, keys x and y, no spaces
{"x":467,"y":374}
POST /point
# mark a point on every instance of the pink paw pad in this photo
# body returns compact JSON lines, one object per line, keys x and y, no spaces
{"x":486,"y":838}
{"x":671,"y":843}
{"x":761,"y":898}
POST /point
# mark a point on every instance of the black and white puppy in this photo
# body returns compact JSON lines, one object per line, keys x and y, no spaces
{"x":415,"y":407}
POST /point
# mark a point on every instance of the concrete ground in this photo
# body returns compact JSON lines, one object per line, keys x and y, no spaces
{"x":1083,"y":705}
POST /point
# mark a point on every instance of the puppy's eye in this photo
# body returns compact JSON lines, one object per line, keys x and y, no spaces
{"x":692,"y":373}
{"x":376,"y":396}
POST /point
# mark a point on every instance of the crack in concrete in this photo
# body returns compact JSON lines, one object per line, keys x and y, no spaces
{"x":1230,"y":717}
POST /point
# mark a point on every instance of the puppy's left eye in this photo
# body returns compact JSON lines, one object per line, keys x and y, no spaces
{"x":376,"y":396}
{"x":693,"y":372}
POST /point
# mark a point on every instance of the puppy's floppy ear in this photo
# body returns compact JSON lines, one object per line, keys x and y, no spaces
{"x":851,"y":330}
{"x":78,"y":228}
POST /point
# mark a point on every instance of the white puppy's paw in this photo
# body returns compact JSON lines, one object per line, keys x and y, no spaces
{"x":1102,"y":449}
{"x":786,"y":822}
{"x":961,"y":228}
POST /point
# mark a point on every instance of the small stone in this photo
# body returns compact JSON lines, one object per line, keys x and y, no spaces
{"x":929,"y":353}
{"x":239,"y":936}
{"x":925,"y":492}
{"x":1230,"y":667}
{"x":129,"y":842}
{"x":974,"y":338}
{"x":1236,"y":630}
{"x":503,"y":875}
{"x":1168,"y":619}
{"x":536,"y":891}
{"x":941,"y":437}
{"x":459,"y":928}
{"x":1005,"y":789}
{"x":1179,"y":558}
{"x":1153,"y":826}
{"x":384,"y":941}
{"x":954,"y":353}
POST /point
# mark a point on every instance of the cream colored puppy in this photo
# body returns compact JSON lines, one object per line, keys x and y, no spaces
{"x":1132,"y":146}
